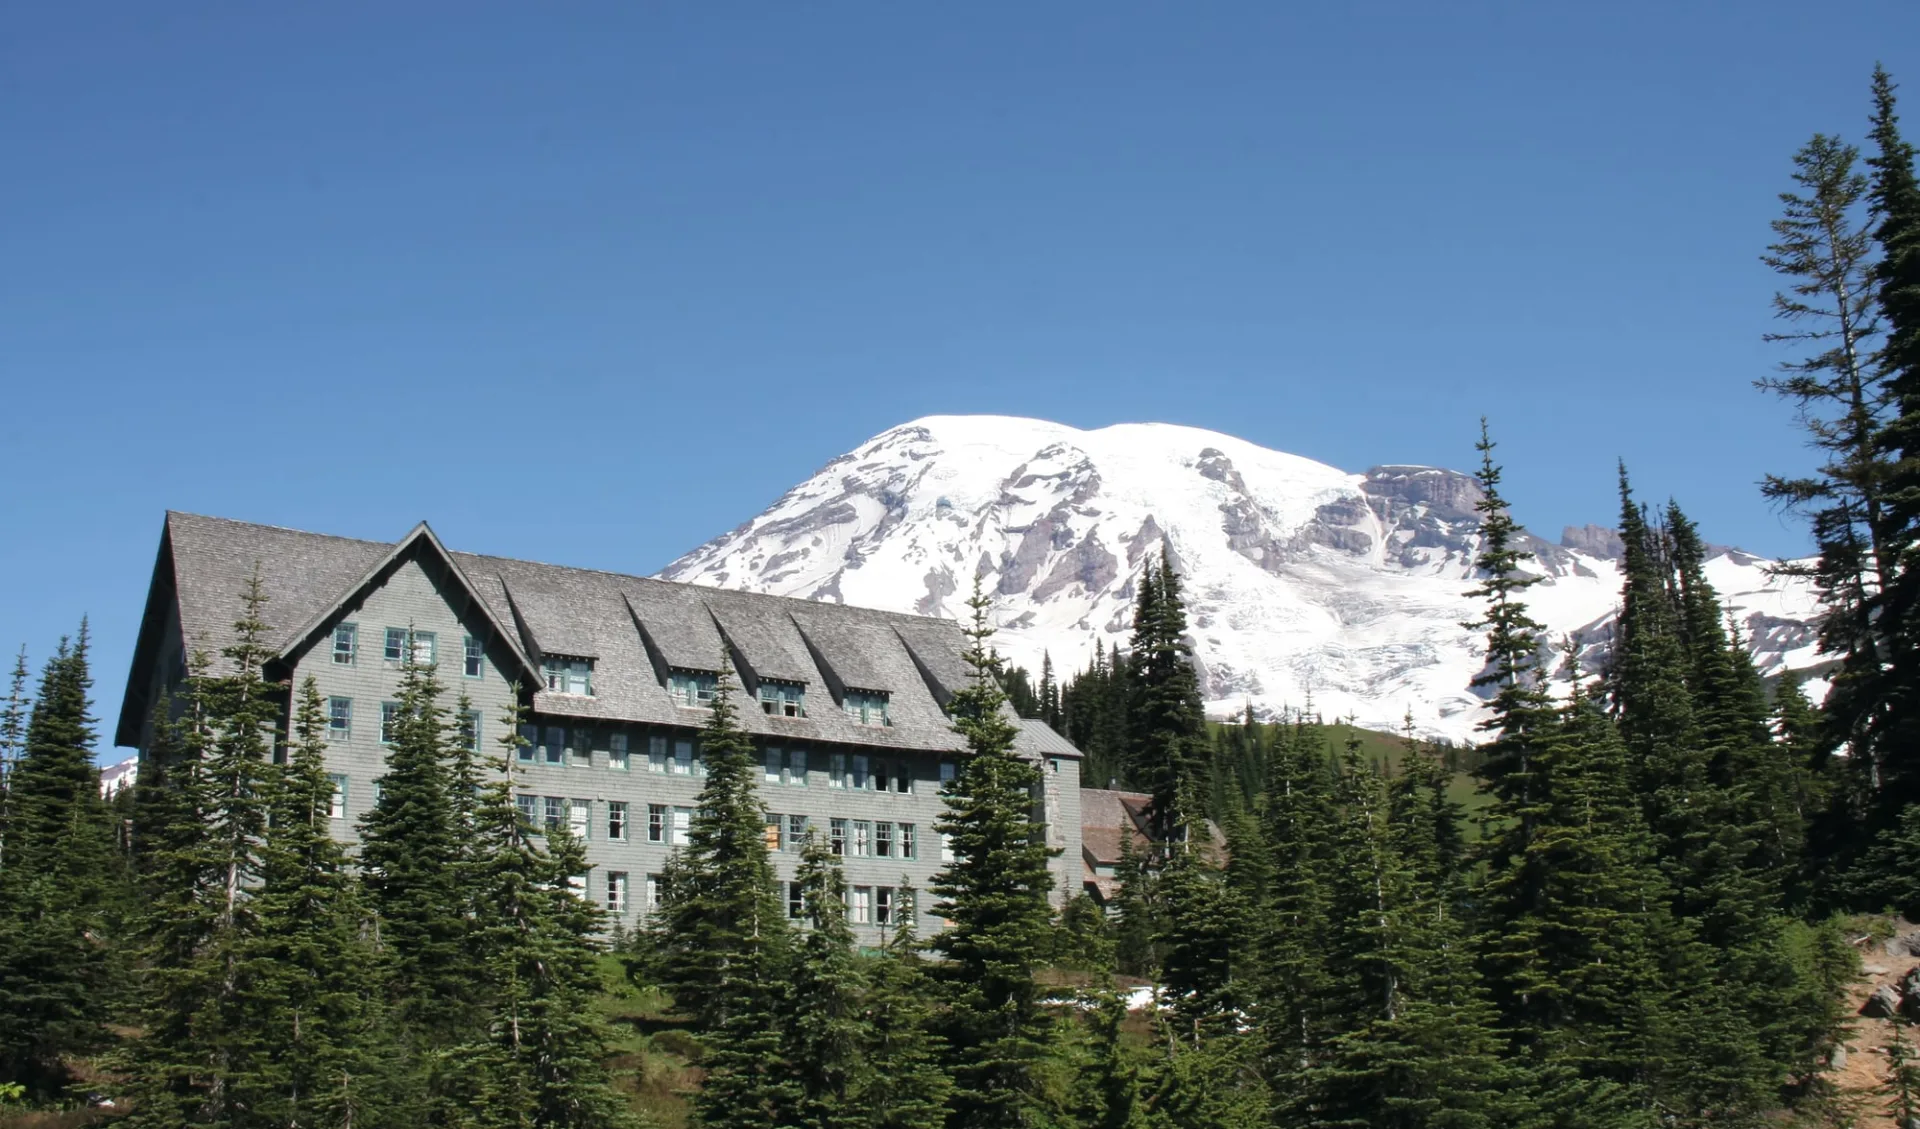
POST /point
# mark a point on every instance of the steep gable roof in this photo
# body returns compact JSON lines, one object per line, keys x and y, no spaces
{"x":420,"y":538}
{"x":630,"y":626}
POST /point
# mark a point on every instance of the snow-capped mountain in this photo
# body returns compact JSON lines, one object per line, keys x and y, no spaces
{"x":120,"y":774}
{"x":1304,"y":583}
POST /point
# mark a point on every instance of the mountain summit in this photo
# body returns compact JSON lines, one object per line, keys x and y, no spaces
{"x":1305,"y":583}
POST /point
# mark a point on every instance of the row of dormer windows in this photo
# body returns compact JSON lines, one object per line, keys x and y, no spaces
{"x":572,"y":675}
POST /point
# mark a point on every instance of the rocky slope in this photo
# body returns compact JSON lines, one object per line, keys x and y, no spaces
{"x":1306,"y":584}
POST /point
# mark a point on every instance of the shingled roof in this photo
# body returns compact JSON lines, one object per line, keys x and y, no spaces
{"x":634,"y":628}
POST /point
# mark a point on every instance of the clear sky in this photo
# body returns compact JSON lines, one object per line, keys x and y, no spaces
{"x":592,"y":283}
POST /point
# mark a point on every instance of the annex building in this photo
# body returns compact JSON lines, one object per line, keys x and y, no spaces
{"x":845,"y":704}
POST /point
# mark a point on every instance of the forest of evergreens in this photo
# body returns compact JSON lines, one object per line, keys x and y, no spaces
{"x":1639,"y":922}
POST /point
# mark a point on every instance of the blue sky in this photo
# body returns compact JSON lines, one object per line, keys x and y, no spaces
{"x":592,"y":283}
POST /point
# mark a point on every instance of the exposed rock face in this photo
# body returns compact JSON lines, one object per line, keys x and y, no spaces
{"x":1595,"y":541}
{"x":1303,"y":581}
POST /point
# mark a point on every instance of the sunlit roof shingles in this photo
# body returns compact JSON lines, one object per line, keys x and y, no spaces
{"x":591,"y":614}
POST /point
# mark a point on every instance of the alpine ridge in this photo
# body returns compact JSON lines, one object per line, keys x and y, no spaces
{"x":1307,"y":586}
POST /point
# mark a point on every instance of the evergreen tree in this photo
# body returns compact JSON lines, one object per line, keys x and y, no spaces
{"x":1825,"y":251}
{"x":828,"y":1035}
{"x":310,"y":1004}
{"x":1167,"y":752}
{"x":410,"y":859}
{"x":205,"y":1057}
{"x":1201,"y":939}
{"x":722,"y":916}
{"x":535,"y":1058}
{"x":1135,"y":911}
{"x":995,"y":894}
{"x":1424,"y":1046}
{"x":13,"y":742}
{"x":1107,"y":1095}
{"x":56,"y":882}
{"x":1291,"y":996}
{"x":1520,"y":704}
{"x":908,"y":1084}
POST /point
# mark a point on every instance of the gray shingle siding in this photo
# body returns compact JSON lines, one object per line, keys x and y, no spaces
{"x":634,"y":629}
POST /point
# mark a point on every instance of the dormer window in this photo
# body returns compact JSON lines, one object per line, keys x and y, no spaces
{"x":692,"y":687}
{"x":569,"y":675}
{"x":867,"y":707}
{"x":783,"y":699}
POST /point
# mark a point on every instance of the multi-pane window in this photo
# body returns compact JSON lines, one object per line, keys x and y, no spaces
{"x":346,"y":638}
{"x":883,"y":840}
{"x":527,"y":805}
{"x":902,"y":779}
{"x":656,"y":823}
{"x":860,"y":912}
{"x":653,"y":892}
{"x":796,"y":901}
{"x":340,"y":717}
{"x":580,"y":819}
{"x":682,"y":823}
{"x":796,"y":833}
{"x":783,"y":699}
{"x":470,"y":731}
{"x":473,"y":657}
{"x":786,"y":766}
{"x":692,"y":687}
{"x":616,"y":892}
{"x":656,"y":753}
{"x":883,"y":905}
{"x":947,"y":769}
{"x":771,"y":835}
{"x":554,"y":812}
{"x":862,"y":839}
{"x":866,"y":707}
{"x":837,"y":772}
{"x":906,"y":841}
{"x":859,"y":780}
{"x":529,"y":742}
{"x":837,"y":836}
{"x":553,"y":747}
{"x":569,"y":675}
{"x":683,"y":757}
{"x":617,"y":752}
{"x":616,"y":820}
{"x":337,"y":799}
{"x":396,"y":646}
{"x":389,"y":715}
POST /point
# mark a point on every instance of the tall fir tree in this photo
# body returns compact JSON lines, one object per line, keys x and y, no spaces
{"x":1520,"y":706}
{"x":1824,"y":251}
{"x":828,"y":1035}
{"x":311,"y":954}
{"x":534,"y":1058}
{"x":205,"y":1056}
{"x":13,"y":741}
{"x":995,"y":894}
{"x":410,"y":860}
{"x":1168,"y":753}
{"x":908,"y":1081}
{"x":723,"y":916}
{"x":55,"y":884}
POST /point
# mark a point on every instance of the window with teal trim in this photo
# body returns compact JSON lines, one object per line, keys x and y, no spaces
{"x":692,"y":687}
{"x":346,"y":639}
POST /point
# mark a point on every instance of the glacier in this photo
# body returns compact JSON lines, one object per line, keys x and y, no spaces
{"x":1307,"y":586}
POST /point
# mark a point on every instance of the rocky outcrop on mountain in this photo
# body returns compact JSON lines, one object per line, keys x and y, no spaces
{"x":1304,"y":582}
